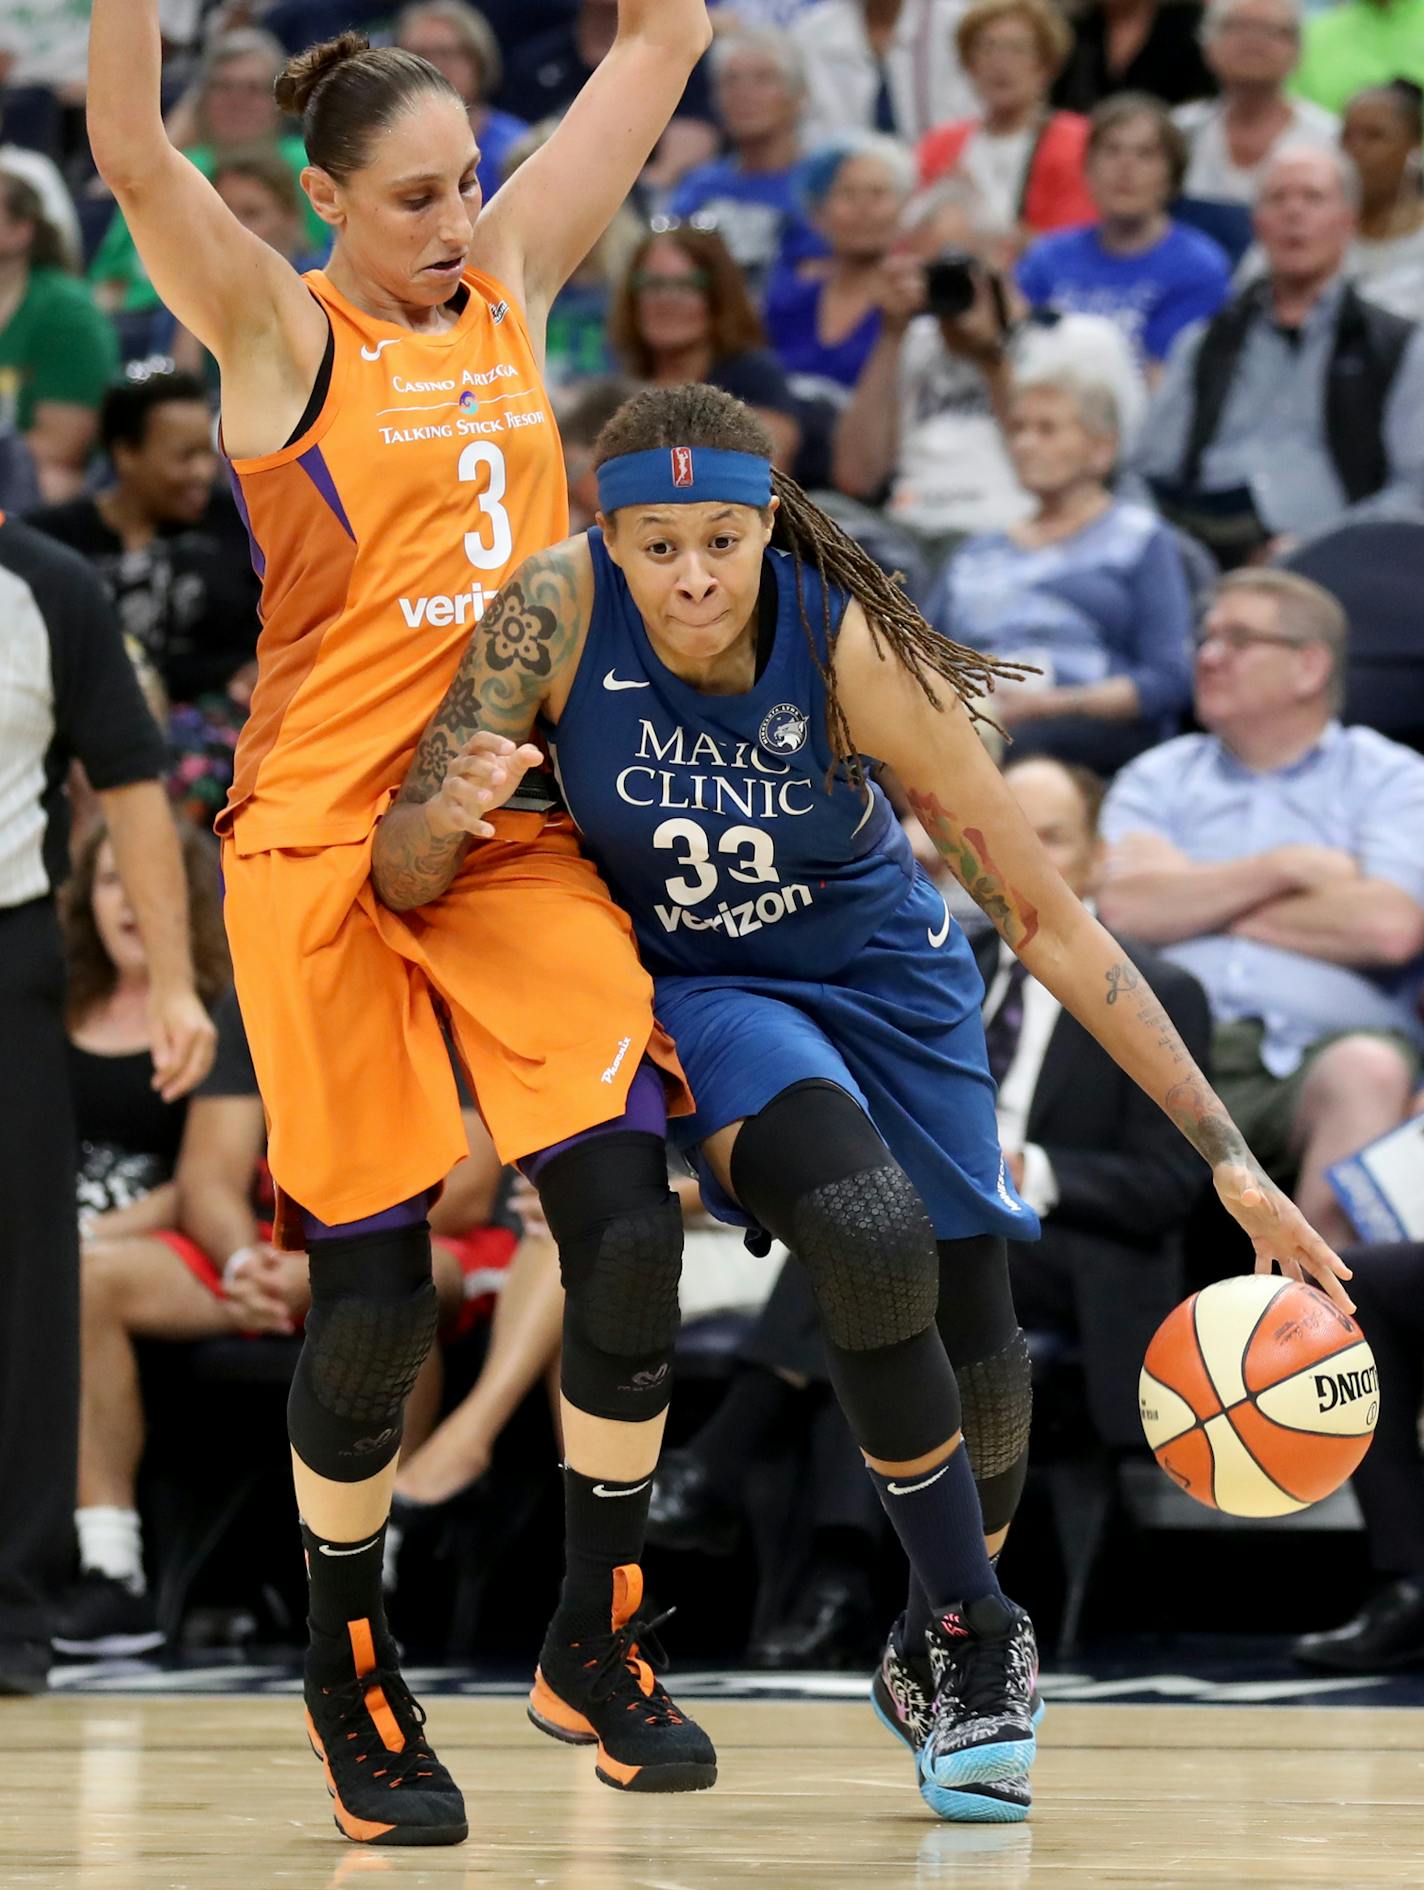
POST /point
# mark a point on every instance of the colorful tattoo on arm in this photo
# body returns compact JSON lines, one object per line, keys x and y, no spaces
{"x":967,"y":852}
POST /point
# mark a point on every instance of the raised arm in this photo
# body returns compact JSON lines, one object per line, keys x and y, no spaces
{"x":475,"y":749}
{"x":238,"y":296}
{"x":976,"y":825}
{"x":556,"y":206}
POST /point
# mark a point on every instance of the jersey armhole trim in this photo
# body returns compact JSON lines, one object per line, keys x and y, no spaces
{"x":308,"y":437}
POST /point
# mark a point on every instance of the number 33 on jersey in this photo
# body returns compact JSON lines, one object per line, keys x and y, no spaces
{"x":431,"y":470}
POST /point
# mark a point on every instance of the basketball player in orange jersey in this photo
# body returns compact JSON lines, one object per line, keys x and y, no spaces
{"x":395,"y":457}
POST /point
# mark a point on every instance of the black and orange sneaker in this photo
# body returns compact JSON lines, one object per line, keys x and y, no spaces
{"x":387,"y":1785}
{"x":602,"y":1690}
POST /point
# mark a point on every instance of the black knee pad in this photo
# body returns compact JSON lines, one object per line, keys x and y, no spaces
{"x":372,"y":1322}
{"x":990,"y":1358}
{"x":619,"y":1231}
{"x":814,"y":1170}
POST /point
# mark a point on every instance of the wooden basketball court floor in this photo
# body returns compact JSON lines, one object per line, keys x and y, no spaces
{"x":114,"y":1792}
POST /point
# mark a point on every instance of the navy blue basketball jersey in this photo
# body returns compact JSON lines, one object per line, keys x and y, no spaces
{"x":710,"y":816}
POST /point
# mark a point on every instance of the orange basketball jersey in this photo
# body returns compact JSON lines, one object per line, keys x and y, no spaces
{"x":433,"y":469}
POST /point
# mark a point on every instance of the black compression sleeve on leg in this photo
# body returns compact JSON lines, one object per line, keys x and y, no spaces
{"x":990,"y":1358}
{"x":619,"y":1231}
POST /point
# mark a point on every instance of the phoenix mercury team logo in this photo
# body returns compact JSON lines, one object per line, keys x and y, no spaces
{"x":681,"y":465}
{"x":783,"y":730}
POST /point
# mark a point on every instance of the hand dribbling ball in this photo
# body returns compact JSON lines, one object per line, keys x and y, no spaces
{"x":1258,"y":1395}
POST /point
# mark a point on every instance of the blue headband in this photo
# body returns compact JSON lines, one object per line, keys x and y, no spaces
{"x":684,"y":475}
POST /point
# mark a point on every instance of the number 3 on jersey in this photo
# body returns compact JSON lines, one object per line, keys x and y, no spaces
{"x":750,"y":847}
{"x":478,"y":458}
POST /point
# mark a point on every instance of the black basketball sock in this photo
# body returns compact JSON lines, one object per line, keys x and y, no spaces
{"x":937,"y":1517}
{"x":757,"y":1401}
{"x":344,"y":1585}
{"x":918,"y":1612}
{"x":604,"y":1525}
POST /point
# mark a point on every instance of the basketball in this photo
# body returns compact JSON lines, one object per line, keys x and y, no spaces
{"x":1258,"y":1395}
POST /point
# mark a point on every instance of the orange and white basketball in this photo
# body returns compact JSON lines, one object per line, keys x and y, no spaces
{"x":1258,"y":1395}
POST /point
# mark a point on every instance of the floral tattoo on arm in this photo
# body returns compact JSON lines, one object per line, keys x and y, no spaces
{"x":967,"y":851}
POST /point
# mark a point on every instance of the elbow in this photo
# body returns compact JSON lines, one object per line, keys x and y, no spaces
{"x":686,"y":38}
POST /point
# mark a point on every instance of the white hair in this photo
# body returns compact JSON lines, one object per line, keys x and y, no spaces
{"x":760,"y":39}
{"x":1294,"y":149}
{"x":820,"y":169}
{"x":1220,"y":11}
{"x":1094,"y":401}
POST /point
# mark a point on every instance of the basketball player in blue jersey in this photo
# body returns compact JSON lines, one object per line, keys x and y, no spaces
{"x":715,"y":668}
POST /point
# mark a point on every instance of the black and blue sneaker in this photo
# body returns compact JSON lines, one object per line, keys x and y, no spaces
{"x":984,"y":1668}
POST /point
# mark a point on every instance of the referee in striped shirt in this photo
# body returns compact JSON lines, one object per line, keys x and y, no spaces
{"x":67,"y":692}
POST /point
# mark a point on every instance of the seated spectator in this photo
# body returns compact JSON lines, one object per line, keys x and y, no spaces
{"x":1357,"y":45}
{"x":749,"y":197}
{"x":1150,"y":275}
{"x":57,"y":352}
{"x":545,"y":73}
{"x":231,"y":109}
{"x":1090,"y":590}
{"x":823,"y":313}
{"x":590,"y":407}
{"x":1252,"y":47}
{"x":683,"y":314}
{"x":44,"y":177}
{"x":1109,"y":1176}
{"x":924,"y":418}
{"x":459,"y":41}
{"x":44,"y":48}
{"x":170,"y":548}
{"x":1297,"y":400}
{"x":1388,"y":1290}
{"x":207,"y":1268}
{"x":1151,"y":46}
{"x":1383,"y":132}
{"x":1277,"y":856}
{"x":881,"y":65}
{"x":1021,"y":164}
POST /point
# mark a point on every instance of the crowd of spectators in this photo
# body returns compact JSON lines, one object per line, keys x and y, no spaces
{"x":1089,"y":320}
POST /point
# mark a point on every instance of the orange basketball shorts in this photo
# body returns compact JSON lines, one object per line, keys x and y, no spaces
{"x":526,"y":958}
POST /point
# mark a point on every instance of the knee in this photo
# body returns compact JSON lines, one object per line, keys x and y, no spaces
{"x":104,"y":1279}
{"x":1358,"y":1068}
{"x":621,"y":1312}
{"x":867,"y":1244}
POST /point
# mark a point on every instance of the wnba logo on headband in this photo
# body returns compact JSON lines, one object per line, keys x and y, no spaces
{"x":684,"y":475}
{"x":682,"y":465}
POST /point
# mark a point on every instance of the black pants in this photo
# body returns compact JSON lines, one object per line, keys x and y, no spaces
{"x":1388,"y":1289}
{"x":39,"y":1275}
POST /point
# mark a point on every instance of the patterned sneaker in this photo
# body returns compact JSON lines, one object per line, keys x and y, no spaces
{"x":985,"y":1666}
{"x":601,"y":1690}
{"x":387,"y":1784}
{"x":902,"y":1696}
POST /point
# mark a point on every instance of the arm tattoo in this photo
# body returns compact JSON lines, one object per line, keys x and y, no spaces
{"x":1121,"y":978}
{"x":967,"y":852}
{"x":1202,"y":1118}
{"x":522,"y":642}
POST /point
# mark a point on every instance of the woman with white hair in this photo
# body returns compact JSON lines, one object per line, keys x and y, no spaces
{"x":749,"y":196}
{"x":1252,"y":48}
{"x":823,"y":314}
{"x":459,"y":41}
{"x":230,"y":108}
{"x":1090,"y":590}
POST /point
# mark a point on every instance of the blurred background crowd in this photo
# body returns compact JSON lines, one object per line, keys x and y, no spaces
{"x":1099,"y":323}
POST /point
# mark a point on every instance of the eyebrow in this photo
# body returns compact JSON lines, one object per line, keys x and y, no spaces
{"x":664,"y":518}
{"x":434,"y":177}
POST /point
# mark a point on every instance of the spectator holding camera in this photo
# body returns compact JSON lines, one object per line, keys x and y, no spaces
{"x":1021,"y":164}
{"x":683,"y":313}
{"x":1150,"y":275}
{"x":1089,"y":589}
{"x":749,"y":197}
{"x":1252,"y":48}
{"x":1300,"y":398}
{"x":823,"y":314}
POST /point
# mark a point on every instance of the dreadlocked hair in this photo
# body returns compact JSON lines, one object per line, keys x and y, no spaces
{"x":699,"y":415}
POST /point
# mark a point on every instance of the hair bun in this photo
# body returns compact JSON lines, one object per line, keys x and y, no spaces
{"x":301,"y":75}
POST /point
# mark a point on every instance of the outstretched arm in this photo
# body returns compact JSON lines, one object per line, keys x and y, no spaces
{"x":553,"y":210}
{"x":475,"y":748}
{"x":964,"y":807}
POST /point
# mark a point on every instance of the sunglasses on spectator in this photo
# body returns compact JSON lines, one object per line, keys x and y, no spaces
{"x":697,"y":281}
{"x":1236,"y":637}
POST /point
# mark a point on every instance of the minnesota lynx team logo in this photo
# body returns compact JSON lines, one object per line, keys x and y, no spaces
{"x":782,"y":731}
{"x":682,"y":465}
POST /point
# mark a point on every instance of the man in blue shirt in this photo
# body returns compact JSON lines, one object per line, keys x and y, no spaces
{"x":1152,"y":276}
{"x":1280,"y":857}
{"x":749,"y":196}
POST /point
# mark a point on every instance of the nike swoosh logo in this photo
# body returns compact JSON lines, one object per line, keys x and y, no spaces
{"x":374,"y":354}
{"x":611,"y":681}
{"x":937,"y":938}
{"x":599,"y":1490}
{"x":325,"y":1548}
{"x":912,"y":1489}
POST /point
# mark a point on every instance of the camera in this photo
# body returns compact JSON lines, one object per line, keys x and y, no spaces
{"x":951,"y":282}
